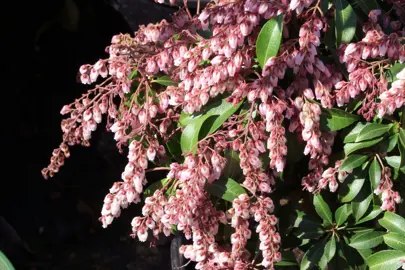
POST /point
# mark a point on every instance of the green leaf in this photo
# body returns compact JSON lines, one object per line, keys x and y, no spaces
{"x":361,"y":202}
{"x":173,"y":146}
{"x":375,"y":211}
{"x":155,"y":186}
{"x":306,"y":226}
{"x":372,"y":130}
{"x":313,"y":256}
{"x":5,"y":263}
{"x":352,"y":186}
{"x":189,"y":137}
{"x":402,"y":136}
{"x":365,"y":253}
{"x":394,"y":161}
{"x":395,"y":241}
{"x":165,"y":80}
{"x":393,"y":140}
{"x":351,"y":147}
{"x":367,"y":240}
{"x":352,"y":162}
{"x":391,"y":74}
{"x":393,"y":222}
{"x":342,"y":213}
{"x":386,"y":260}
{"x":335,"y":119}
{"x":401,"y":145}
{"x":330,"y":248}
{"x":227,"y":189}
{"x":134,"y":74}
{"x":374,"y":173}
{"x":345,"y":22}
{"x":322,"y":209}
{"x":223,"y":112}
{"x":354,"y":133}
{"x":269,"y":40}
{"x":200,"y":125}
{"x":186,"y":118}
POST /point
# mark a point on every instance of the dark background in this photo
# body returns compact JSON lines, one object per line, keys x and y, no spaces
{"x":52,"y":224}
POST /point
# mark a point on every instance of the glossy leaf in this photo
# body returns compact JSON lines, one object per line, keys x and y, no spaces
{"x":313,"y":256}
{"x":395,"y":241}
{"x":367,"y":240}
{"x":345,"y":22}
{"x":375,"y":211}
{"x":352,"y":162}
{"x":342,"y":213}
{"x":5,"y":263}
{"x":365,"y":253}
{"x":269,"y":40}
{"x":189,"y":137}
{"x":361,"y":203}
{"x":223,"y":112}
{"x":165,"y":80}
{"x":306,"y":226}
{"x":354,"y":133}
{"x":173,"y":146}
{"x":374,"y":173}
{"x":227,"y":189}
{"x":392,"y":142}
{"x":393,"y":222}
{"x":352,"y":147}
{"x":401,"y":145}
{"x":372,"y":130}
{"x":330,"y":248}
{"x":352,"y":186}
{"x":322,"y":209}
{"x":394,"y":161}
{"x":386,"y":260}
{"x":335,"y":119}
{"x":402,"y":136}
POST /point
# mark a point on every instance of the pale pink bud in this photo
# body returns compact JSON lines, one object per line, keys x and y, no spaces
{"x":142,"y":234}
{"x":244,"y":29}
{"x":85,"y":79}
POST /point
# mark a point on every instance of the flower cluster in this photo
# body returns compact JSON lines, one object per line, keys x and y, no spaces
{"x":329,"y":177}
{"x":165,"y":83}
{"x":389,"y":197}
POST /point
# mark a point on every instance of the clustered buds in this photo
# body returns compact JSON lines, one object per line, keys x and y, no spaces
{"x":143,"y":113}
{"x":389,"y":197}
{"x":329,"y":177}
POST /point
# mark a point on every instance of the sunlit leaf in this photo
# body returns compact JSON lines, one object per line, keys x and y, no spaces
{"x":269,"y":40}
{"x":336,"y":119}
{"x":371,"y":131}
{"x":395,"y":241}
{"x":323,"y":210}
{"x":345,"y":22}
{"x":227,"y":189}
{"x":367,"y":240}
{"x":386,"y":260}
{"x":393,"y":222}
{"x":352,"y":162}
{"x":342,"y":213}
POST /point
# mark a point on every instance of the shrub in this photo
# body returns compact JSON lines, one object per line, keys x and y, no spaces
{"x":244,"y":103}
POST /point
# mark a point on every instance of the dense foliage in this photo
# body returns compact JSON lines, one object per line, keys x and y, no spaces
{"x":243,"y":104}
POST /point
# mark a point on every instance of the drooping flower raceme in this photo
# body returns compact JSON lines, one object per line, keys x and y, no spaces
{"x":202,"y":79}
